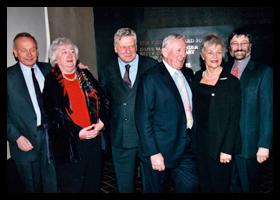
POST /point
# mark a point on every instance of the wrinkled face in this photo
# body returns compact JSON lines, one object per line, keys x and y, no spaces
{"x":213,"y":55}
{"x":26,"y":51}
{"x":240,"y":48}
{"x":66,"y":58}
{"x":175,"y":53}
{"x":126,"y":48}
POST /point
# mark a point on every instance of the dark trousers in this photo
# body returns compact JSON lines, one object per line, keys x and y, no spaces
{"x":83,"y":176}
{"x":214,"y":176}
{"x":246,"y":175}
{"x":38,"y":176}
{"x":184,"y":176}
{"x":124,"y":160}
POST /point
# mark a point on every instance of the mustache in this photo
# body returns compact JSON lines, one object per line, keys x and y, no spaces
{"x":239,"y":51}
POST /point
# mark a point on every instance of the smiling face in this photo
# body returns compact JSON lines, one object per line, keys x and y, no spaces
{"x":213,"y":55}
{"x":126,"y":48}
{"x":240,"y":47}
{"x":66,"y":59}
{"x":175,"y":53}
{"x":26,"y":51}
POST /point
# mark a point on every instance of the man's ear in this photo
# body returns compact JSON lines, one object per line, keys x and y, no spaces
{"x":15,"y":52}
{"x":164,"y":52}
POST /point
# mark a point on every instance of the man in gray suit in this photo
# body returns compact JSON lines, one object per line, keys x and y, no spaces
{"x":256,"y":122}
{"x":25,"y":132}
{"x":119,"y":78}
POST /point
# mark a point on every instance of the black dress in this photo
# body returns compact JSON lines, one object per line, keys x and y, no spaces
{"x":213,"y":175}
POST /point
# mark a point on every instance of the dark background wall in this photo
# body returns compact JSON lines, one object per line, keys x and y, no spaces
{"x":152,"y":24}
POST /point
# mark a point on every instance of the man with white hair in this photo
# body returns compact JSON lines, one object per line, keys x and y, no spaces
{"x":165,"y":121}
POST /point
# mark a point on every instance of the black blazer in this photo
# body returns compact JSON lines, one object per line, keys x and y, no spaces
{"x":122,"y":101}
{"x":256,"y":122}
{"x":21,"y":116}
{"x":224,"y":114}
{"x":160,"y":116}
{"x":63,"y":132}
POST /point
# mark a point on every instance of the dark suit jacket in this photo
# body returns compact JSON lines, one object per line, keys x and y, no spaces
{"x":224,"y":114}
{"x":21,"y":117}
{"x":122,"y":101}
{"x":160,"y":117}
{"x":256,"y":122}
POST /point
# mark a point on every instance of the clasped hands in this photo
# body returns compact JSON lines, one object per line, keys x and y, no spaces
{"x":89,"y":133}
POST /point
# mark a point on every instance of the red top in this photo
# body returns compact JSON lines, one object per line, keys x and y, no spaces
{"x":80,"y":115}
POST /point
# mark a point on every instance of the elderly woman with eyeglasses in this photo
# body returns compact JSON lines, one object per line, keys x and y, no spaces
{"x":217,"y":102}
{"x":77,"y":109}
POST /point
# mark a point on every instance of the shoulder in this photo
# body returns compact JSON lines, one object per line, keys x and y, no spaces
{"x":110,"y":63}
{"x":147,"y":59}
{"x":12,"y":68}
{"x":262,"y":67}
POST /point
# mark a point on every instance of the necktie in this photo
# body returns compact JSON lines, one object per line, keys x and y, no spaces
{"x":235,"y":71}
{"x":185,"y":99}
{"x":126,"y":76}
{"x":38,"y":93}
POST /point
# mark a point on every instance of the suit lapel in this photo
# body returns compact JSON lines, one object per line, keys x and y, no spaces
{"x":116,"y":76}
{"x":20,"y":85}
{"x":170,"y":84}
{"x":43,"y":69}
{"x":246,"y":73}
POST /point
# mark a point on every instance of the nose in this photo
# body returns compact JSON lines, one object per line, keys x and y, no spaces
{"x":127,"y":50}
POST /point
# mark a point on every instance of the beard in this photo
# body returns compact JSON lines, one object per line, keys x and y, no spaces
{"x":240,"y":54}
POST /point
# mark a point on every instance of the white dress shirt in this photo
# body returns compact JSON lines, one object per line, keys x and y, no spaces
{"x":27,"y":74}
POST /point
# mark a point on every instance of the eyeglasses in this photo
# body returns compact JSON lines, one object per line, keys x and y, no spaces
{"x":236,"y":44}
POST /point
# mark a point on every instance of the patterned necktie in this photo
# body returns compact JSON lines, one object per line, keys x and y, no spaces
{"x":185,"y":99}
{"x":235,"y":71}
{"x":38,"y":93}
{"x":126,"y":76}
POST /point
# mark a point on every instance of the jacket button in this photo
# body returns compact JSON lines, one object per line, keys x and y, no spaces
{"x":124,"y":104}
{"x":125,"y":119}
{"x":213,"y":94}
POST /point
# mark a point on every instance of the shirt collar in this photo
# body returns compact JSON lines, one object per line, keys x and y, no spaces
{"x":133,"y":63}
{"x":170,"y":69}
{"x":244,"y":62}
{"x":27,"y":70}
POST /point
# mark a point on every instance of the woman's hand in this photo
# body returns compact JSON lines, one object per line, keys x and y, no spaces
{"x":89,"y":133}
{"x":225,"y":158}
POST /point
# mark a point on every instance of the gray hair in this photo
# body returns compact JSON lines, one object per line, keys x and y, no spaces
{"x":123,"y":32}
{"x":166,"y":40}
{"x":212,"y":39}
{"x":58,"y":42}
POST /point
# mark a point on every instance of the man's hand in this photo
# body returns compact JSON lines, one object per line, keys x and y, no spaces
{"x":225,"y":158}
{"x":24,"y":144}
{"x":262,"y":154}
{"x":81,"y":66}
{"x":157,"y":161}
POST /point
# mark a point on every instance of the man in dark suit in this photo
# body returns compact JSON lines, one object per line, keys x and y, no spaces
{"x":25,"y":132}
{"x":164,"y":124}
{"x":256,"y":122}
{"x":119,"y":78}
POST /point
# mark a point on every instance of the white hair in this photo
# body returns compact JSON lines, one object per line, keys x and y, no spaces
{"x":123,"y":32}
{"x":58,"y":42}
{"x":166,"y":40}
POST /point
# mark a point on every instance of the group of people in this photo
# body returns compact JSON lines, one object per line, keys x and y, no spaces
{"x":209,"y":131}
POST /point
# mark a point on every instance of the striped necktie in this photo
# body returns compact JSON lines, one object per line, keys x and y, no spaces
{"x":185,"y":99}
{"x":38,"y":93}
